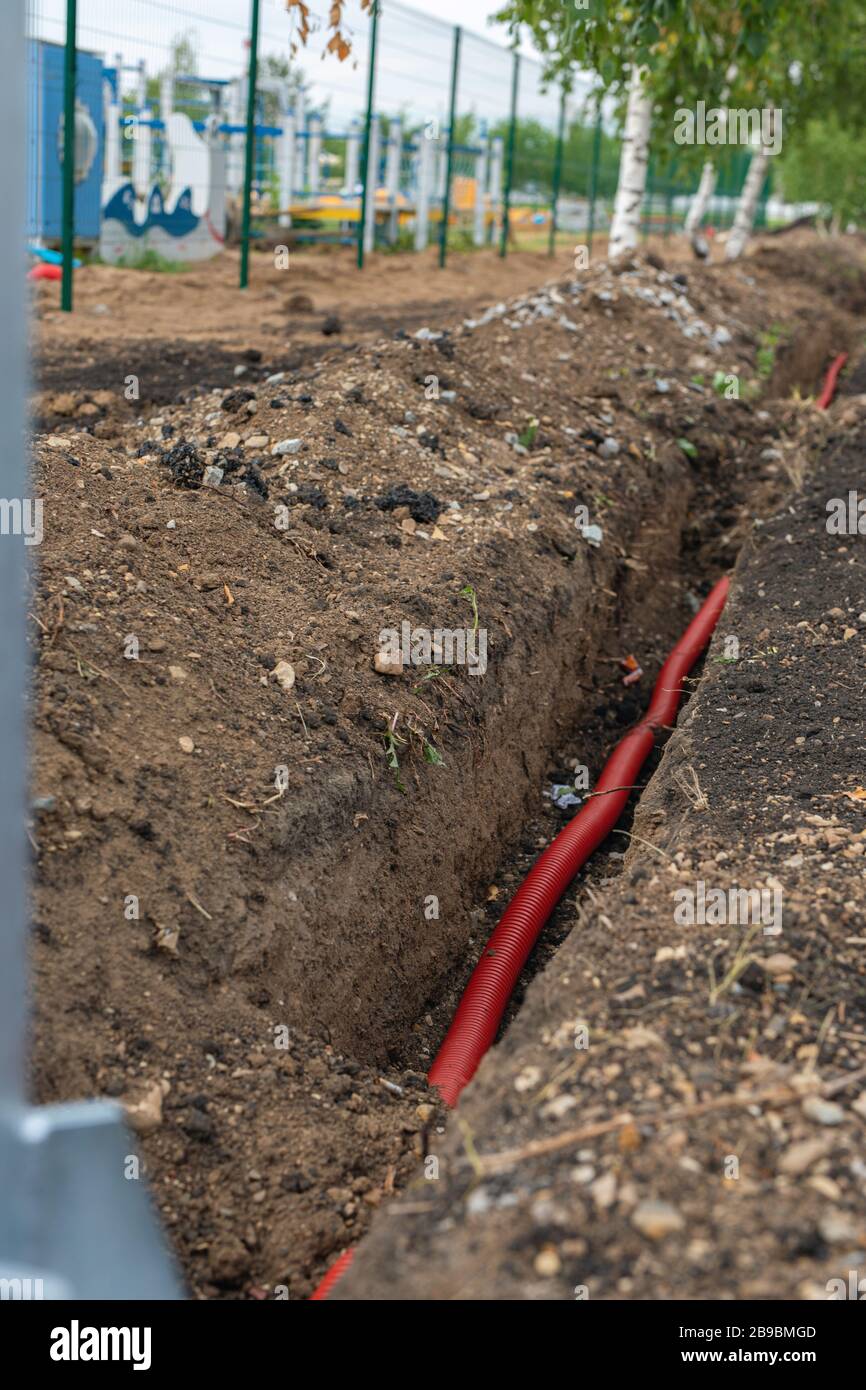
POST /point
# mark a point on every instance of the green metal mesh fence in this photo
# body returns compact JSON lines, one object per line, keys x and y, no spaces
{"x":162,"y":125}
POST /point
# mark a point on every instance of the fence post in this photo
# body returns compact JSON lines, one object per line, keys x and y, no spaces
{"x":557,"y":175}
{"x":593,"y":178}
{"x":449,"y":164}
{"x":509,"y":158}
{"x":365,"y":168}
{"x":250,"y":147}
{"x":68,"y":226}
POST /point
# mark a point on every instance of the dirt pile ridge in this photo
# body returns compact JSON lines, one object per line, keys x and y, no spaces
{"x":237,"y":858}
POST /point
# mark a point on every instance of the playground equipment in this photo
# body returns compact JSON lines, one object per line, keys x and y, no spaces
{"x":162,"y":164}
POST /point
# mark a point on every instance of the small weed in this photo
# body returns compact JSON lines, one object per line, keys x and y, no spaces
{"x":765,"y":357}
{"x":393,"y":742}
{"x":688,"y":448}
{"x":527,"y":438}
{"x":151,"y":260}
{"x":432,"y":755}
{"x":469,"y":594}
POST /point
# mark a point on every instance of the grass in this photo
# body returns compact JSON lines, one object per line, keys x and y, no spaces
{"x":766,"y":354}
{"x":152,"y":260}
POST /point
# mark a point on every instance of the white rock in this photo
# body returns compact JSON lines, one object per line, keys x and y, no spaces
{"x":284,"y":674}
{"x":822,"y":1112}
{"x":655,"y":1220}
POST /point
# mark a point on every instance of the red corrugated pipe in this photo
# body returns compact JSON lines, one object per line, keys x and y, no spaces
{"x":337,"y":1270}
{"x":490,"y":986}
{"x":830,"y":381}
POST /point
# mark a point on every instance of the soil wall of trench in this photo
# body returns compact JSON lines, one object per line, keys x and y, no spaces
{"x":252,"y":971}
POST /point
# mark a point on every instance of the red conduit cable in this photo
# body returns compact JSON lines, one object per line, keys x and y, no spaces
{"x":490,"y":986}
{"x":830,"y":381}
{"x":492,"y":982}
{"x":337,"y":1270}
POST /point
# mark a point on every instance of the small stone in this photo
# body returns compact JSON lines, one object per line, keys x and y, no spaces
{"x":213,"y":476}
{"x":779,"y":964}
{"x":144,"y":1109}
{"x":609,"y":447}
{"x":284,"y":674}
{"x":822,"y":1112}
{"x":287,"y":446}
{"x":166,"y":939}
{"x":186,"y":744}
{"x":387,"y":665}
{"x":655,"y":1220}
{"x":257,"y":441}
{"x":603,"y":1191}
{"x":799,"y":1158}
{"x":230,"y":440}
{"x":212,"y":579}
{"x":178,"y":673}
{"x":837,"y":1228}
{"x":547,"y":1263}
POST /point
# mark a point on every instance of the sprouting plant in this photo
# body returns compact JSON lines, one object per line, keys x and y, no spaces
{"x":468,"y":593}
{"x":688,"y":448}
{"x":432,"y":755}
{"x":393,"y":741}
{"x":527,"y":438}
{"x":765,"y":357}
{"x":433,"y":674}
{"x":698,"y":380}
{"x":720,"y":382}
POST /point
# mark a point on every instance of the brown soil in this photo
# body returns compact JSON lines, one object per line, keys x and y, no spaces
{"x":174,"y":330}
{"x":286,"y":1012}
{"x":708,"y":1141}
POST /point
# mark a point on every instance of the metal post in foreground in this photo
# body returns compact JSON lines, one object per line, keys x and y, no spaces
{"x":509,"y":158}
{"x":73,"y":1221}
{"x":250,"y":147}
{"x":68,"y":213}
{"x":557,"y":175}
{"x":368,"y":122}
{"x":449,"y":163}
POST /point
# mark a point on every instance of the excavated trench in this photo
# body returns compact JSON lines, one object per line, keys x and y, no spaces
{"x":561,"y":700}
{"x":353,"y":912}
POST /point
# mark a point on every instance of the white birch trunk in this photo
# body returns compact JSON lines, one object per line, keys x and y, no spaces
{"x":744,"y":219}
{"x":625,"y":228}
{"x":701,"y":200}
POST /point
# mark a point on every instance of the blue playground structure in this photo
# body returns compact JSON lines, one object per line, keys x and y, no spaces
{"x":159,"y":164}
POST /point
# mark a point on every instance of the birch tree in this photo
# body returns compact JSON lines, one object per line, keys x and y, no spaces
{"x":633,"y":164}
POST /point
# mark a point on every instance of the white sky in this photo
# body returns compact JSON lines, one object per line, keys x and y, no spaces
{"x":414,"y":58}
